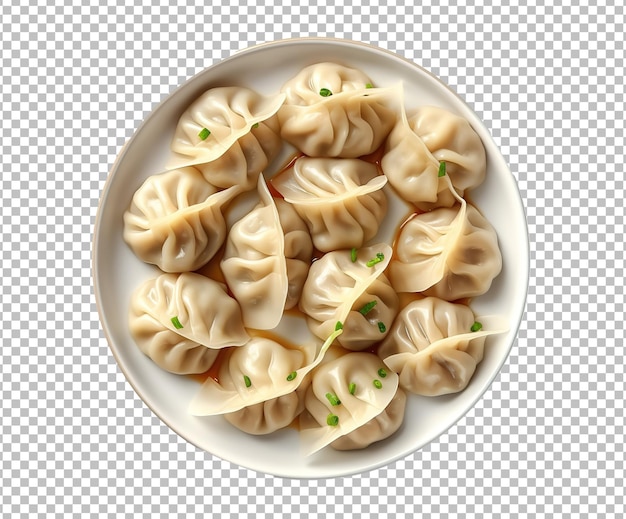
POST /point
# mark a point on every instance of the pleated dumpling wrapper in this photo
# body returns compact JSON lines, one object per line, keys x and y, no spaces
{"x":176,"y":221}
{"x":333,"y":111}
{"x":341,"y":200}
{"x":356,"y":294}
{"x":419,"y":145}
{"x":266,"y":260}
{"x":436,"y":345}
{"x":345,"y":394}
{"x":449,"y":252}
{"x":230,"y":133}
{"x":194,"y":307}
{"x":261,"y":370}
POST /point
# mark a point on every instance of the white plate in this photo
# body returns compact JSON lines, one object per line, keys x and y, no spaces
{"x":117,"y":271}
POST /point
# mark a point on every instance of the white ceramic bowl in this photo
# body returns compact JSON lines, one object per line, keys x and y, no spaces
{"x":117,"y":271}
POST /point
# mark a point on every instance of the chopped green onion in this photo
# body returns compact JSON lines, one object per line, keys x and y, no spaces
{"x":333,"y":399}
{"x":246,"y":380}
{"x":382,"y":373}
{"x":367,"y":307}
{"x":476,"y":327}
{"x":379,"y":257}
{"x":204,"y":133}
{"x":332,"y":419}
{"x":369,"y":85}
{"x":352,"y":388}
{"x":442,"y":169}
{"x":381,"y":327}
{"x":324,"y":92}
{"x":338,"y":326}
{"x":291,"y":376}
{"x":378,"y":384}
{"x":176,"y":323}
{"x":353,"y":254}
{"x":255,"y":125}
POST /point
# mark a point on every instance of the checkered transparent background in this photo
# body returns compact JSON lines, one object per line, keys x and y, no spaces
{"x":548,"y":437}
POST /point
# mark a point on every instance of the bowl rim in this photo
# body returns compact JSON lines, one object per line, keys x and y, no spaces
{"x":516,"y":317}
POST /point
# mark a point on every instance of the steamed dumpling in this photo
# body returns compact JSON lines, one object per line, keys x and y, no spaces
{"x":418,"y":145}
{"x":228,"y":129}
{"x":378,"y":428}
{"x":169,"y":350}
{"x":192,"y":306}
{"x":332,"y":111}
{"x":341,"y":200}
{"x":346,"y":394}
{"x":433,"y":348}
{"x":256,"y":265}
{"x":449,"y":253}
{"x":259,"y":371}
{"x":175,"y":220}
{"x":354,"y":293}
{"x":271,"y":415}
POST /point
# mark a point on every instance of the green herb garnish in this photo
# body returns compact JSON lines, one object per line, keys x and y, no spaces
{"x":378,"y":384}
{"x":381,"y":327}
{"x":476,"y":327}
{"x":291,"y":376}
{"x":369,"y":85}
{"x":442,"y":169}
{"x":353,"y":253}
{"x":333,"y":399}
{"x":324,"y":92}
{"x":255,"y":125}
{"x":379,"y":257}
{"x":367,"y":307}
{"x":176,"y":323}
{"x":382,"y":373}
{"x":352,"y":388}
{"x":204,"y":133}
{"x":332,"y":420}
{"x":246,"y":381}
{"x":338,"y":326}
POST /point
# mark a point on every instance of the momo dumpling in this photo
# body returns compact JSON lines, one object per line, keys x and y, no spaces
{"x":436,"y":345}
{"x":259,"y":371}
{"x":449,"y":253}
{"x":378,"y":428}
{"x":332,"y":111}
{"x":246,"y":158}
{"x":194,"y":307}
{"x":345,"y":394}
{"x":175,"y":220}
{"x":418,"y":146}
{"x":228,"y":129}
{"x":271,"y":415}
{"x":341,"y":200}
{"x":266,"y":260}
{"x":169,"y":350}
{"x":356,"y":294}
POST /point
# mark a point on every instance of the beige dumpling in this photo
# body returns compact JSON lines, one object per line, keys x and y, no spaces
{"x":175,"y":220}
{"x":449,"y":253}
{"x":266,"y":260}
{"x":433,"y":348}
{"x":169,"y":350}
{"x":192,"y":306}
{"x":230,"y":133}
{"x":415,"y":148}
{"x":332,"y":111}
{"x":354,"y":293}
{"x":341,"y":200}
{"x":271,"y":415}
{"x":259,"y":371}
{"x":345,"y":395}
